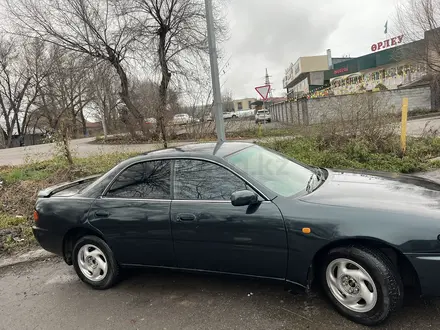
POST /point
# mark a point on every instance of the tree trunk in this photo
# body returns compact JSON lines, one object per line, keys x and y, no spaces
{"x":74,"y":125}
{"x":125,"y":96}
{"x":83,"y":123}
{"x":66,"y":149}
{"x":104,"y":118}
{"x":2,"y":138}
{"x":163,"y":88}
{"x":10,"y":133}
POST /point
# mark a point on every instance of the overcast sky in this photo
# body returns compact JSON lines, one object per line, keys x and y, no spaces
{"x":273,"y":33}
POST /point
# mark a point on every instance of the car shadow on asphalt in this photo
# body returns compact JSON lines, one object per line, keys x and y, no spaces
{"x":312,"y":307}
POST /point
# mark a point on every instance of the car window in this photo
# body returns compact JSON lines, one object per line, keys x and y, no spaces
{"x":279,"y":174}
{"x":149,"y":180}
{"x":200,"y":180}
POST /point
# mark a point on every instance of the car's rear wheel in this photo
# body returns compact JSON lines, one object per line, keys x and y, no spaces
{"x":362,"y":283}
{"x":95,"y":263}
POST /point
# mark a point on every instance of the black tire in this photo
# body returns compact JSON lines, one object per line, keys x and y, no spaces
{"x":113,"y":269}
{"x":384,"y":274}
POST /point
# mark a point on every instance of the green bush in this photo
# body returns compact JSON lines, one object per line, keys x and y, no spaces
{"x":357,"y":153}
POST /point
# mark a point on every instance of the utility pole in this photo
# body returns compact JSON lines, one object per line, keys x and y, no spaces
{"x":218,"y":106}
{"x":267,"y":82}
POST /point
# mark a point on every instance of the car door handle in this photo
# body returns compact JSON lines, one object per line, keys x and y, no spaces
{"x":102,"y":214}
{"x":185,"y":217}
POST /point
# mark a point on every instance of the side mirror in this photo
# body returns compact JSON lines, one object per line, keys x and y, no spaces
{"x":243,"y":198}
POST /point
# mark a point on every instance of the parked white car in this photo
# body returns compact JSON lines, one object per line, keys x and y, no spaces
{"x":229,"y":115}
{"x":245,"y":113}
{"x":263,"y":116}
{"x":181,"y":119}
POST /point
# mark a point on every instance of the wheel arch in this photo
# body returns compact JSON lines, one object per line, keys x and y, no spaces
{"x":72,"y":236}
{"x":406,"y":270}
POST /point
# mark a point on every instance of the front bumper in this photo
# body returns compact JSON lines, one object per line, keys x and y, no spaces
{"x":427,"y":267}
{"x":48,"y":240}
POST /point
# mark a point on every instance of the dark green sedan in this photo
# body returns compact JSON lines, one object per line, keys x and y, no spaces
{"x":237,"y":208}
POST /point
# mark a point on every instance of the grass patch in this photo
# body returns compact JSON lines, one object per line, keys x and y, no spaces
{"x":22,"y":183}
{"x":7,"y":221}
{"x":361,"y":154}
{"x":246,"y":132}
{"x":57,"y":169}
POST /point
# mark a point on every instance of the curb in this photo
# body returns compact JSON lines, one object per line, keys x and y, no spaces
{"x":426,"y":116}
{"x":27,"y":257}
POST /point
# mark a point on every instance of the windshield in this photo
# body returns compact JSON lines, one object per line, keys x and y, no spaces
{"x":263,"y":112}
{"x":279,"y":174}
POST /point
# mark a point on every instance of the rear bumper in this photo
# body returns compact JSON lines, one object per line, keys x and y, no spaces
{"x":48,"y":240}
{"x":427,"y":267}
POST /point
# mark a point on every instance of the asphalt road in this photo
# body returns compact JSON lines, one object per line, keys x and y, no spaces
{"x":83,"y":148}
{"x":48,"y":295}
{"x":419,"y":127}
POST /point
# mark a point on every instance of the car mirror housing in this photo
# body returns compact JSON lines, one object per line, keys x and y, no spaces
{"x":243,"y":198}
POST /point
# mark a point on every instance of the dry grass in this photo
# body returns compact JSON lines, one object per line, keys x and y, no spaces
{"x":21,"y":184}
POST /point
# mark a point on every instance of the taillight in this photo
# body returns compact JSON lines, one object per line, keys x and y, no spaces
{"x":36,"y":216}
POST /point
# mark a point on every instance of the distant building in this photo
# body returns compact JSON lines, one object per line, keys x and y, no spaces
{"x":391,"y":68}
{"x":308,"y":73}
{"x":393,"y":64}
{"x":243,"y":104}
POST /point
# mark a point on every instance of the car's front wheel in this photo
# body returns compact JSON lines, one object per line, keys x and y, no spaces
{"x":362,"y":283}
{"x":95,"y":263}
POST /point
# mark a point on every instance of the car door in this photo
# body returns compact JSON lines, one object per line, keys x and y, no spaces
{"x":210,"y":234}
{"x":134,"y":215}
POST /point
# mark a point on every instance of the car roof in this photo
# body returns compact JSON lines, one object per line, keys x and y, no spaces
{"x":208,"y":150}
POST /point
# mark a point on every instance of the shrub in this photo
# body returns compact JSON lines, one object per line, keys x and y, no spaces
{"x":359,"y":153}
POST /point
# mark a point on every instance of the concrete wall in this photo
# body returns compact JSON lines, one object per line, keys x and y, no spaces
{"x":321,"y":110}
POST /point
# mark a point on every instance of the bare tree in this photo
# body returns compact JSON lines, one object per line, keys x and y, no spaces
{"x":418,"y":19}
{"x":107,"y":104}
{"x":21,"y":72}
{"x":177,"y":29}
{"x":65,"y":92}
{"x":228,"y":101}
{"x":100,"y":29}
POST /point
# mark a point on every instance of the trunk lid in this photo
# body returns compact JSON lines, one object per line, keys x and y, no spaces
{"x":67,"y":189}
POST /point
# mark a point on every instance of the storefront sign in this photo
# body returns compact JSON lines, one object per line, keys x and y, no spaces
{"x":387,"y":43}
{"x":341,"y":70}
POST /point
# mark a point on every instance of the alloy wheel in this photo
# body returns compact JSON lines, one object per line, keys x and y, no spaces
{"x":92,"y":262}
{"x":351,"y":285}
